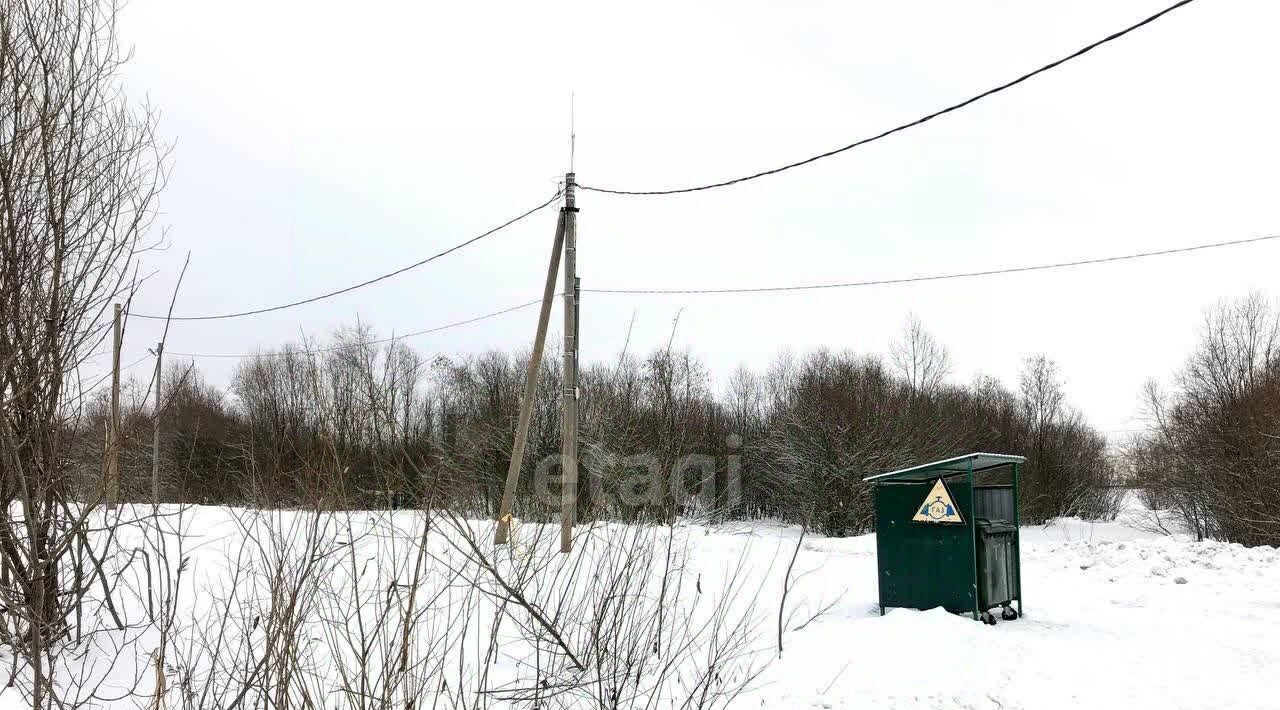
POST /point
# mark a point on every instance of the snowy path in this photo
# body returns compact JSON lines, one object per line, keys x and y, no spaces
{"x":1115,"y":619}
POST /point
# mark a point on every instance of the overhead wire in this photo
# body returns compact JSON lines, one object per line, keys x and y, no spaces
{"x":104,"y":378}
{"x":905,"y":126}
{"x":935,"y":277}
{"x":363,"y":343}
{"x":768,"y":289}
{"x":362,"y":284}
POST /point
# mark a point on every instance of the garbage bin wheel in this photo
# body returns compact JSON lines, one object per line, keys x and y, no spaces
{"x":1008,"y":613}
{"x":987,"y":618}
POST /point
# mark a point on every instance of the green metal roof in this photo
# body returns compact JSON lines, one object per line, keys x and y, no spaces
{"x":958,"y":464}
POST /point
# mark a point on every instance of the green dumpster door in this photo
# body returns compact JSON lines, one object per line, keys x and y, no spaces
{"x":923,"y":565}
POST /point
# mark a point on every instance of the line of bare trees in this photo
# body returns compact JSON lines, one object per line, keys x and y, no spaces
{"x":792,"y":442}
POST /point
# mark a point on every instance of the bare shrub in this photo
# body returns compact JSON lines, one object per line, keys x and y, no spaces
{"x":1211,"y":462}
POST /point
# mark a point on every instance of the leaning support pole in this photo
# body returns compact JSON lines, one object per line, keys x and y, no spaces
{"x":569,"y":431}
{"x":530,"y":388}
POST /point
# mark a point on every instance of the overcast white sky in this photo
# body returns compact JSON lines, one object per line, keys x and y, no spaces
{"x":319,"y":144}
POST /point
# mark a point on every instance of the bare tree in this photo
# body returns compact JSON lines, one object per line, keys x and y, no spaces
{"x":1042,"y":391}
{"x":919,"y":358}
{"x":79,"y":173}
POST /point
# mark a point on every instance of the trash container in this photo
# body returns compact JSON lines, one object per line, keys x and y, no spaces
{"x":997,"y":561}
{"x":943,"y":539}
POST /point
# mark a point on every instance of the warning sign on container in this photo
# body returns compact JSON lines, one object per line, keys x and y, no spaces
{"x":938,"y":507}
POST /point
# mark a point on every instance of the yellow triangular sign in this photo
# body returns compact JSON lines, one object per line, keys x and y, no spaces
{"x":938,"y":507}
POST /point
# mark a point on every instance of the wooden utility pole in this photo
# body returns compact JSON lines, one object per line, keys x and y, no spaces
{"x":530,"y":389}
{"x":113,"y":442}
{"x":155,"y":442}
{"x":569,"y":428}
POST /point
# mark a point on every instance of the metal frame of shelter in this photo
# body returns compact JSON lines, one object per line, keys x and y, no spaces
{"x":968,"y":465}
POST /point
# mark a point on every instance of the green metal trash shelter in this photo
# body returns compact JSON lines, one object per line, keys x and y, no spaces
{"x":945,"y":539}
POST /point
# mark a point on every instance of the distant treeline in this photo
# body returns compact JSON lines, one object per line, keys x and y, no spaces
{"x":368,"y":425}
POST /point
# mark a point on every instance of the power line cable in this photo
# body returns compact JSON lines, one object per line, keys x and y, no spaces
{"x":935,"y":277}
{"x":765,"y":289}
{"x":955,"y":107}
{"x":104,"y":378}
{"x":348,"y":289}
{"x":348,"y":346}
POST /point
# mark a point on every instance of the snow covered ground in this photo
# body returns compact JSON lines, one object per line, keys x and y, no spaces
{"x":1114,"y":618}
